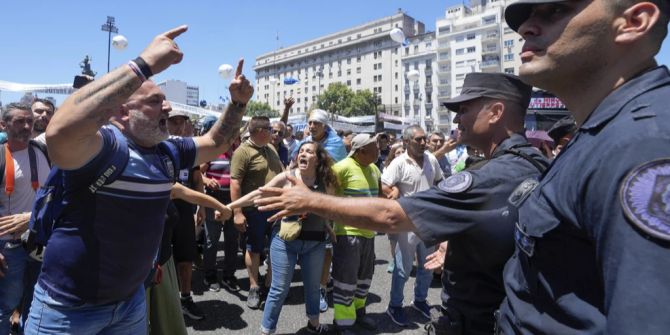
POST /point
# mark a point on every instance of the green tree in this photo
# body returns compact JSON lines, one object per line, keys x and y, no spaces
{"x":257,"y":108}
{"x":338,"y":98}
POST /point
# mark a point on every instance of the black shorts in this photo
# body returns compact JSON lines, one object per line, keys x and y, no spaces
{"x":183,"y":237}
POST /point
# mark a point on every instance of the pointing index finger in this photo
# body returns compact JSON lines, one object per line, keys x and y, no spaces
{"x":238,"y":72}
{"x":173,"y":33}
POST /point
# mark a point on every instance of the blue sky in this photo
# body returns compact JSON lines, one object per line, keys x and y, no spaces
{"x":44,"y":41}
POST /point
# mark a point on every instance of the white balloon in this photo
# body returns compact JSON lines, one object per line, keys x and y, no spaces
{"x":397,"y":35}
{"x":413,"y":75}
{"x":226,"y":71}
{"x":119,"y":42}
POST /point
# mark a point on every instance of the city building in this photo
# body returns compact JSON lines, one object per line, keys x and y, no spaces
{"x":419,"y":68}
{"x":473,"y":38}
{"x":180,"y":92}
{"x":362,"y":57}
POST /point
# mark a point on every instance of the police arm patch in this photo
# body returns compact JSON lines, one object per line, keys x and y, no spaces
{"x":456,"y":183}
{"x":645,"y":198}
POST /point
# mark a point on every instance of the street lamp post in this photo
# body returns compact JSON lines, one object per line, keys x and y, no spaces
{"x":110,"y":28}
{"x":397,"y":36}
{"x":413,"y":76}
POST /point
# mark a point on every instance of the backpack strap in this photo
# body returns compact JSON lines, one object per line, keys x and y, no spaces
{"x":539,"y":166}
{"x":3,"y":147}
{"x":43,"y":149}
{"x":171,"y":163}
{"x":113,"y":169}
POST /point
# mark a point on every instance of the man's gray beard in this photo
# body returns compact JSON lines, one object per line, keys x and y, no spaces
{"x":145,"y":129}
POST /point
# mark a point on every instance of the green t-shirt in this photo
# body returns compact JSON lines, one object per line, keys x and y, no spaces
{"x":254,"y":166}
{"x":356,"y":181}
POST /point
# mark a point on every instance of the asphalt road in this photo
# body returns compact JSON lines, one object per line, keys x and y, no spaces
{"x":227,"y":313}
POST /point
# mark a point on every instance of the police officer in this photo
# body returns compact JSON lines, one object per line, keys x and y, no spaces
{"x":469,"y":208}
{"x":593,"y":238}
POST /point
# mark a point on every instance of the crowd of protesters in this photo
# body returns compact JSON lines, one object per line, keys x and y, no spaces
{"x":495,"y":214}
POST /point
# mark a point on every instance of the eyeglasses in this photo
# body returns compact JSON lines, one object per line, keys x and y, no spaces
{"x":277,"y":132}
{"x":420,"y":139}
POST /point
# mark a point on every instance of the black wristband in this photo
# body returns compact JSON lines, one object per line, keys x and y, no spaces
{"x":238,"y":104}
{"x":146,"y":70}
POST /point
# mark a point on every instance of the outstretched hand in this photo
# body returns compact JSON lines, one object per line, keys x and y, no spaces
{"x":435,"y":260}
{"x":240,"y":88}
{"x":163,"y":52}
{"x":288,"y":201}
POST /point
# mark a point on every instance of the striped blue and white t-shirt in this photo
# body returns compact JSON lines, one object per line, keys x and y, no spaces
{"x":104,"y":248}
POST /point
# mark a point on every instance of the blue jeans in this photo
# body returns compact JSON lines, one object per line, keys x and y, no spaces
{"x":11,"y":285}
{"x":408,"y":245}
{"x":48,"y":316}
{"x":284,"y":255}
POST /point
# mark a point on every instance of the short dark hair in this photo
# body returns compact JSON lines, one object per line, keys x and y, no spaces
{"x":46,"y":102}
{"x":438,"y":134}
{"x":258,"y":122}
{"x":6,"y":113}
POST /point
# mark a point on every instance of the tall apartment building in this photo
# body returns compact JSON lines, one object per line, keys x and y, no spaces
{"x":362,"y":57}
{"x":474,"y":38}
{"x":180,"y":92}
{"x":419,"y":97}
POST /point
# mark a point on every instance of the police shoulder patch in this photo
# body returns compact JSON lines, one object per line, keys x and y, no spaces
{"x":456,"y":183}
{"x":645,"y":197}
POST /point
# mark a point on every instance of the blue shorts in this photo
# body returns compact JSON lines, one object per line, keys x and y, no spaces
{"x":258,"y":229}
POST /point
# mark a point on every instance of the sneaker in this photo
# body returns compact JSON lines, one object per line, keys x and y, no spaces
{"x":190,"y":309}
{"x":397,"y":316}
{"x":321,"y":329}
{"x":254,"y":299}
{"x":230,"y":284}
{"x":366,"y":322}
{"x":422,"y":307}
{"x":323,"y":302}
{"x":212,"y":285}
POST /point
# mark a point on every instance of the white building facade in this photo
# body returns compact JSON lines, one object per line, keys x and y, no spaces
{"x":473,"y":38}
{"x":180,"y":92}
{"x":419,"y":99}
{"x":362,"y":57}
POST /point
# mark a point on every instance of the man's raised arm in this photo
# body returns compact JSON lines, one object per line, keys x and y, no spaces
{"x":227,"y":128}
{"x":73,"y":134}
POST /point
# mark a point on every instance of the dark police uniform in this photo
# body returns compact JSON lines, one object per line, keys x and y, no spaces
{"x":593,"y":238}
{"x":470,"y":210}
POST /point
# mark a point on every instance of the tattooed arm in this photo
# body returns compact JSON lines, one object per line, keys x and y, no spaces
{"x":72,"y":134}
{"x":227,"y":127}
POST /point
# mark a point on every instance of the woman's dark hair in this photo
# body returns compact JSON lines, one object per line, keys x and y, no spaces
{"x":324,"y":171}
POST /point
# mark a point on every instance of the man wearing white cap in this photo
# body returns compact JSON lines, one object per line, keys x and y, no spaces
{"x":322,"y":133}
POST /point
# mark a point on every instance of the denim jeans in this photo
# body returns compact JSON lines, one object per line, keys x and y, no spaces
{"x":11,"y":285}
{"x":230,"y":239}
{"x":48,"y":316}
{"x":408,"y":245}
{"x":284,"y":256}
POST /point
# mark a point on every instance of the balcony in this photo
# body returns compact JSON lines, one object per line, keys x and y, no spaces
{"x":491,"y":50}
{"x":429,"y":106}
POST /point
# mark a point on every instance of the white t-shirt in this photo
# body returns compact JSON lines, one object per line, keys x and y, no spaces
{"x":409,"y":177}
{"x":22,"y":198}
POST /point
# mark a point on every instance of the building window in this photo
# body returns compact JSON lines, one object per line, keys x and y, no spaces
{"x":358,"y":81}
{"x":416,"y":48}
{"x":358,"y":70}
{"x":428,"y":45}
{"x":348,"y":82}
{"x":471,"y":49}
{"x":348,"y":61}
{"x":509,"y":70}
{"x":509,"y":57}
{"x":489,"y":19}
{"x":358,"y":59}
{"x":509,"y":43}
{"x":348,"y":72}
{"x":470,"y":37}
{"x":396,"y":87}
{"x":460,"y":51}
